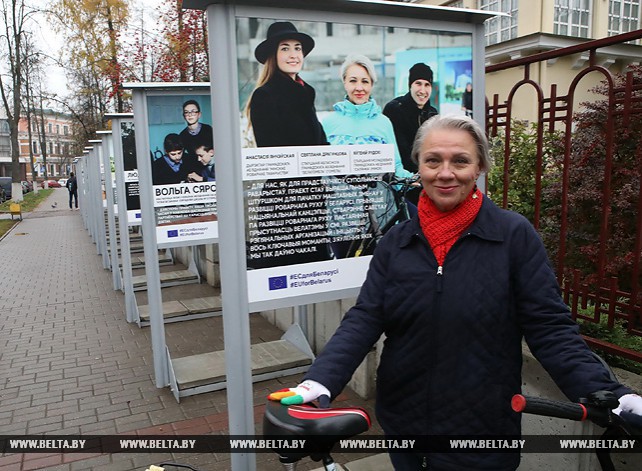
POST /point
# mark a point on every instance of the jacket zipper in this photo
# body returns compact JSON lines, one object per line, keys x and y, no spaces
{"x":434,"y":332}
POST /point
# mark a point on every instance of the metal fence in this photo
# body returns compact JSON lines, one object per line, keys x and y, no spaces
{"x":593,"y":235}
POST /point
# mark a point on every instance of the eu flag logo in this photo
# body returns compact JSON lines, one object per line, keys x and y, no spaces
{"x":278,"y":282}
{"x":173,"y":233}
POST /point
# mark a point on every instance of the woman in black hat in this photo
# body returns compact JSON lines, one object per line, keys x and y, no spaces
{"x":281,"y":109}
{"x":281,"y":113}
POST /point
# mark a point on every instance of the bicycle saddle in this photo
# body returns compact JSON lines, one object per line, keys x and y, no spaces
{"x":320,"y":428}
{"x":339,"y":422}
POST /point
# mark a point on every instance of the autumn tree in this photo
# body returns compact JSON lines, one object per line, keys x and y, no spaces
{"x":34,"y":96}
{"x":92,"y":29}
{"x":15,"y":16}
{"x":141,"y":46}
{"x":184,"y":55}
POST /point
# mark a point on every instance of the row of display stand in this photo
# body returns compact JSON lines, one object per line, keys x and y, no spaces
{"x":171,"y":289}
{"x":179,"y":221}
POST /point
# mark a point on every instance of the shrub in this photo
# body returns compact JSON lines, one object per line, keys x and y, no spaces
{"x":616,"y":335}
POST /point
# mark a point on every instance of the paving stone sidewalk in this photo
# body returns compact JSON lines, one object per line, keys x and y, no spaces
{"x":71,"y":364}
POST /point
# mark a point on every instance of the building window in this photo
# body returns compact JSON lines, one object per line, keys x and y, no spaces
{"x":457,"y":4}
{"x":572,"y":18}
{"x":50,"y":146}
{"x":65,"y":130}
{"x":34,"y":146}
{"x":500,"y":28}
{"x":57,"y":128}
{"x":50,"y":127}
{"x":624,"y":16}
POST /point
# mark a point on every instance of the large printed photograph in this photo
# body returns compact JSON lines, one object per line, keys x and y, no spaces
{"x":132,"y":189}
{"x":329,"y":84}
{"x":315,"y":99}
{"x":183,"y":172}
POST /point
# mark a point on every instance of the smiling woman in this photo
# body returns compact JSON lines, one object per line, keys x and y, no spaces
{"x":358,"y":119}
{"x":281,"y":109}
{"x":448,"y":167}
{"x":281,"y":112}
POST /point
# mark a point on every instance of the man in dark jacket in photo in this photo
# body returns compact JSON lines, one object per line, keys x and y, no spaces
{"x":409,"y":111}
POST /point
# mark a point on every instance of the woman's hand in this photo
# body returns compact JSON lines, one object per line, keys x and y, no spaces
{"x":630,"y":403}
{"x":307,"y":391}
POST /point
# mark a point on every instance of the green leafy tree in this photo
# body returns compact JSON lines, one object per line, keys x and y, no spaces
{"x":520,"y":184}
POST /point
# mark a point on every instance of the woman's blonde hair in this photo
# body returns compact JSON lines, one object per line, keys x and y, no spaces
{"x":363,"y":61}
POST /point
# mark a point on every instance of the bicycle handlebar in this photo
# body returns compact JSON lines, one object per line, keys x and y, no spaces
{"x":549,"y":408}
{"x":392,"y":179}
{"x":602,"y":413}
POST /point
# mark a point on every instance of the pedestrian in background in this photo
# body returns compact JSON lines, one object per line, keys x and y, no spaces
{"x":72,"y":188}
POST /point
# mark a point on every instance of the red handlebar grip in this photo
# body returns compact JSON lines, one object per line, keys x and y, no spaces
{"x":518,"y":403}
{"x":540,"y":406}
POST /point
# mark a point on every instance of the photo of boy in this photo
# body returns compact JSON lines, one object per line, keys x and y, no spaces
{"x":205,"y":155}
{"x":196,"y":133}
{"x":174,"y":166}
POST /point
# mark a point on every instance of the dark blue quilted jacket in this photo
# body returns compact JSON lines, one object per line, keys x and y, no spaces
{"x":452,"y":356}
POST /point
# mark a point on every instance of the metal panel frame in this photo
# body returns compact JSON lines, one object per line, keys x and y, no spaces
{"x":222,"y":16}
{"x":123,"y":226}
{"x":111,"y":233}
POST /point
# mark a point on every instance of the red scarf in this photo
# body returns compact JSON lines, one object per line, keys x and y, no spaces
{"x":442,"y":229}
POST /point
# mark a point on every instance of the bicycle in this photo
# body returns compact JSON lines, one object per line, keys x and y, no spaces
{"x":379,"y":218}
{"x":597,"y":407}
{"x":321,"y":429}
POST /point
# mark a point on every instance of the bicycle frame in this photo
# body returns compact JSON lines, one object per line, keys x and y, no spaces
{"x":374,"y":229}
